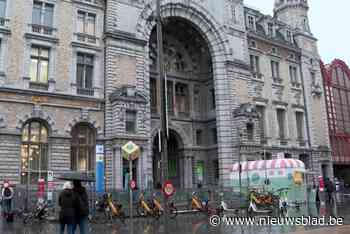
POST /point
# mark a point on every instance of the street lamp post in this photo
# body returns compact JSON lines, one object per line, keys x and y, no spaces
{"x":163,"y":106}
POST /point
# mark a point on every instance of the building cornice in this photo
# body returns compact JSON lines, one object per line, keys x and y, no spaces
{"x":124,"y":36}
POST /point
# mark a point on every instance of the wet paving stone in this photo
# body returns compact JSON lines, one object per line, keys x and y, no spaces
{"x":192,"y":224}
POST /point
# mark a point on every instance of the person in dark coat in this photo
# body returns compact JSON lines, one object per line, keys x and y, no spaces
{"x":68,"y":202}
{"x":82,"y":211}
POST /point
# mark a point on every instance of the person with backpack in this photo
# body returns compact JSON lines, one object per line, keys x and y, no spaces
{"x":67,"y":201}
{"x":7,"y":194}
{"x":82,"y":211}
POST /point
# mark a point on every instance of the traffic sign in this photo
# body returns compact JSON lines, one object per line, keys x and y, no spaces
{"x":132,"y":184}
{"x":131,"y":151}
{"x":168,"y":189}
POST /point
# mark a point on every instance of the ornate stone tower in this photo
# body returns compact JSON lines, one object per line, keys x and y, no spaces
{"x":293,"y":13}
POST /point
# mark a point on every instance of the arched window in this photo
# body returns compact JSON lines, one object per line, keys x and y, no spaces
{"x":34,"y":152}
{"x":83,"y":148}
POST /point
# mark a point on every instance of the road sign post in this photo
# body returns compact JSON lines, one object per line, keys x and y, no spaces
{"x":131,"y":152}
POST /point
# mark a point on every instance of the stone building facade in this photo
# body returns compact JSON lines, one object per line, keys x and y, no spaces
{"x":83,"y":72}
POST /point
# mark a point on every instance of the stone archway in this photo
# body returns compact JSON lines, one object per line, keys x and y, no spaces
{"x":216,"y":40}
{"x":175,"y":156}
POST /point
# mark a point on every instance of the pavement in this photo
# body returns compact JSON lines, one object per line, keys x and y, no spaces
{"x":199,"y":224}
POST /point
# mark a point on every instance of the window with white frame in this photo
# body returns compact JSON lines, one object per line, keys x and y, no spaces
{"x":42,"y":17}
{"x":39,"y":64}
{"x":85,"y":68}
{"x":275,"y":69}
{"x":86,"y":27}
{"x":86,"y":23}
{"x":293,"y":74}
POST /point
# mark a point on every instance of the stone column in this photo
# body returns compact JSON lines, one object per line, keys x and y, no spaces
{"x":117,"y":169}
{"x":188,"y":170}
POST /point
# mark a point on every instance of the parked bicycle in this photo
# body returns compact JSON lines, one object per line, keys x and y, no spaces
{"x":197,"y":204}
{"x":39,"y":213}
{"x":152,"y":208}
{"x":107,"y":210}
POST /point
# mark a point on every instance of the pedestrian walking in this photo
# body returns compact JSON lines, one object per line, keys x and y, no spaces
{"x":7,"y":194}
{"x":68,"y":201}
{"x":330,"y":190}
{"x":82,"y":211}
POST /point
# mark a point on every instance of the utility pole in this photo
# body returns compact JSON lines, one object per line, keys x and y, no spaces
{"x":163,"y":106}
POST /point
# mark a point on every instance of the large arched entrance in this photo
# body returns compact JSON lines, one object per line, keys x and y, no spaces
{"x":175,"y":148}
{"x":191,"y":104}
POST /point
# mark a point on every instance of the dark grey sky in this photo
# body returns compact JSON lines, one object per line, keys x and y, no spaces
{"x":330,"y":24}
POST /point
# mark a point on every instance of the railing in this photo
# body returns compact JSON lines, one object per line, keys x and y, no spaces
{"x":296,"y":85}
{"x":4,"y":22}
{"x":257,"y":75}
{"x":86,"y":38}
{"x":42,"y":29}
{"x":85,"y":91}
{"x":277,"y":80}
{"x":38,"y":85}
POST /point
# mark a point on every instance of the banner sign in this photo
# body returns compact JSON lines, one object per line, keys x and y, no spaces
{"x":100,"y":169}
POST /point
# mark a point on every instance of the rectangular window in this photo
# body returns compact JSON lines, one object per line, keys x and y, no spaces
{"x":293,"y":74}
{"x":270,"y":29}
{"x":300,"y":125}
{"x":85,"y":68}
{"x":42,"y":14}
{"x":170,"y":96}
{"x":212,"y":99}
{"x":289,"y":36}
{"x":313,"y":78}
{"x":39,"y":64}
{"x":250,"y":131}
{"x":86,"y":23}
{"x":182,"y":98}
{"x":254,"y":64}
{"x":275,"y":69}
{"x":130,"y":121}
{"x":281,"y":122}
{"x":261,"y":111}
{"x":153,"y":87}
{"x":214,"y":135}
{"x":251,"y":22}
{"x":199,"y":137}
{"x":3,"y":9}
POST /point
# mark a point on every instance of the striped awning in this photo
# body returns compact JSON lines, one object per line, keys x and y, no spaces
{"x":269,"y":164}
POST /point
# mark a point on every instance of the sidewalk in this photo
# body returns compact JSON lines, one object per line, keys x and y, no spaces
{"x":328,"y":230}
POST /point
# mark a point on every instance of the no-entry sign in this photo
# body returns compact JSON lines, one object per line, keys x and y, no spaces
{"x":132,"y":184}
{"x":168,"y":189}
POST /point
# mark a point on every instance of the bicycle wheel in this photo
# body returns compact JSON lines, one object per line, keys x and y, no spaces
{"x":172,"y":212}
{"x":28,"y":219}
{"x":140,"y":211}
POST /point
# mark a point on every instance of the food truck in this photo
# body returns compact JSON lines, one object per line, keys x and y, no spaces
{"x":271,"y":175}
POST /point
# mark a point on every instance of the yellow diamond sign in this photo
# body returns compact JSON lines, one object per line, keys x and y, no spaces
{"x":131,"y":151}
